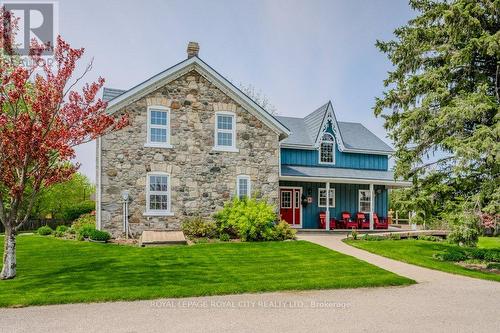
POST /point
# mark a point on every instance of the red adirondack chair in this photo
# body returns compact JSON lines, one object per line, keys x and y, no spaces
{"x":322,"y":221}
{"x":380,"y":223}
{"x":363,"y":222}
{"x":349,"y":224}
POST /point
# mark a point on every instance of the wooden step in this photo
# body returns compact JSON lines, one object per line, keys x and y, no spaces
{"x":155,"y":237}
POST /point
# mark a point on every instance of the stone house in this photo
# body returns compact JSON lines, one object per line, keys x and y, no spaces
{"x":194,"y":141}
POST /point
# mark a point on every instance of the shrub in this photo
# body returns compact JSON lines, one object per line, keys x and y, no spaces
{"x":62,"y":228}
{"x":45,"y":230}
{"x":464,"y":231}
{"x":98,"y":235}
{"x":74,"y":212}
{"x":452,"y":255}
{"x":283,"y":231}
{"x":84,"y":219}
{"x":224,"y":237}
{"x":197,"y":227}
{"x":249,"y":219}
{"x":492,"y":255}
{"x":394,"y":236}
{"x":354,"y":234}
{"x":429,"y":238}
{"x":493,"y":265}
{"x":84,"y":231}
{"x":368,"y":237}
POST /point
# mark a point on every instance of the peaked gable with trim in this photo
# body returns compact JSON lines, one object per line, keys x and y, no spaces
{"x":198,"y":65}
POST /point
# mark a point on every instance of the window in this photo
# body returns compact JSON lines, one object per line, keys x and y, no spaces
{"x":286,"y":199}
{"x":365,"y":201}
{"x":322,"y":197}
{"x":158,"y":194}
{"x":158,"y":127}
{"x":243,"y":186}
{"x":225,"y":131}
{"x":327,"y":149}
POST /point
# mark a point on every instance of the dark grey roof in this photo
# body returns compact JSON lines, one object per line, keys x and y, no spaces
{"x":326,"y":172}
{"x":110,"y":93}
{"x":300,"y":135}
{"x":354,"y":136}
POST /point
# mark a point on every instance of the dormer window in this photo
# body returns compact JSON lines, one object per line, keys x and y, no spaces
{"x":327,"y":149}
{"x":158,"y":127}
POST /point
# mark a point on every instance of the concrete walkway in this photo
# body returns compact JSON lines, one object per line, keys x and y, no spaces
{"x":441,"y":302}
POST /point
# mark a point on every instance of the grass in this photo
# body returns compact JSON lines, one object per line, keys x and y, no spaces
{"x":54,"y":271}
{"x":420,"y":253}
{"x":489,"y":242}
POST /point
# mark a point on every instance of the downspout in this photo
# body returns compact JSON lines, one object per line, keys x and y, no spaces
{"x":99,"y":184}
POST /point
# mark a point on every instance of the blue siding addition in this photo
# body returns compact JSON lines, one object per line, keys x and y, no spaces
{"x":346,"y":200}
{"x":342,"y":160}
{"x":304,"y":157}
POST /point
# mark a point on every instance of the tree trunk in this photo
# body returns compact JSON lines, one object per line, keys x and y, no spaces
{"x":9,"y":254}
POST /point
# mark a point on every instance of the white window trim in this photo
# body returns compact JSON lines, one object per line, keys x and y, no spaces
{"x":359,"y":201}
{"x":333,"y":153}
{"x":233,"y":131}
{"x":291,"y":198}
{"x":168,"y":127}
{"x":331,"y":190}
{"x":238,"y":185}
{"x":150,"y":212}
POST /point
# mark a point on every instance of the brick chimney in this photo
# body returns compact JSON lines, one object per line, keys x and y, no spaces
{"x":193,"y":49}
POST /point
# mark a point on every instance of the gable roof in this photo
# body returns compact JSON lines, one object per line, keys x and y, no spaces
{"x":110,"y":93}
{"x":351,"y":137}
{"x":118,"y":100}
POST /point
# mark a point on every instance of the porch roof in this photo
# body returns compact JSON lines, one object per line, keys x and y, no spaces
{"x":340,"y":175}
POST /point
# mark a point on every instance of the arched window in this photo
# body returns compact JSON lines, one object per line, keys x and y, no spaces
{"x":327,"y":149}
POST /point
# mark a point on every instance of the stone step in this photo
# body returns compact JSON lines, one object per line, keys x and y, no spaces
{"x":157,"y":237}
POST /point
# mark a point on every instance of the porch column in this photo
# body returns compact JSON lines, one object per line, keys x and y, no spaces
{"x":327,"y":224}
{"x":372,"y":201}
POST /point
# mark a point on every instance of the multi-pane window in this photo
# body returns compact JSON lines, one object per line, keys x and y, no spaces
{"x":158,"y":126}
{"x":243,"y":186}
{"x":327,"y":149}
{"x":322,"y":197}
{"x":365,"y":201}
{"x":158,"y":193}
{"x":286,"y":199}
{"x":225,"y":131}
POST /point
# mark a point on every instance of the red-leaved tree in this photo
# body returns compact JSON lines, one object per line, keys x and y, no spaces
{"x":42,"y":118}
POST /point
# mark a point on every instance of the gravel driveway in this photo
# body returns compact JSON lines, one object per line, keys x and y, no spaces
{"x":440,"y":302}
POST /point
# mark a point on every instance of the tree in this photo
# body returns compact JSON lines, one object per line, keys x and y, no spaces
{"x":441,"y":106}
{"x":42,"y":118}
{"x":259,"y":98}
{"x":60,"y":199}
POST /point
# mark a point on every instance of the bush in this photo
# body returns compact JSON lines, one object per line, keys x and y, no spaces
{"x":85,"y":231}
{"x":464,"y":230}
{"x":45,"y":230}
{"x":224,"y":237}
{"x":197,"y":227}
{"x":394,"y":236}
{"x":493,"y":265}
{"x":283,"y":231}
{"x":74,"y":212}
{"x":249,"y":219}
{"x":458,"y":254}
{"x":85,"y":220}
{"x":429,"y":238}
{"x":367,"y":237}
{"x":98,"y":235}
{"x":452,"y":255}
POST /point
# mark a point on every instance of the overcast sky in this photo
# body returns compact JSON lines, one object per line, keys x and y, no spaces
{"x":299,"y":53}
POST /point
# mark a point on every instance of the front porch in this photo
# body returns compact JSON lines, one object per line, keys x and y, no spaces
{"x":301,"y":203}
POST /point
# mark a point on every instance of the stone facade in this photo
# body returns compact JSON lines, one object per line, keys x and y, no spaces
{"x":202,"y":179}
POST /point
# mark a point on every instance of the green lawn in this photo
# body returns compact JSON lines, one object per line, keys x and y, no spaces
{"x":421,"y":253}
{"x":489,"y":242}
{"x":53,"y":271}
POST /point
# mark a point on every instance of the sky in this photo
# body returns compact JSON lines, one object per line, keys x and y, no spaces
{"x":299,"y":53}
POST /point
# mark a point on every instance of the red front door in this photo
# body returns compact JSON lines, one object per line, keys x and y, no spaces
{"x":290,"y":205}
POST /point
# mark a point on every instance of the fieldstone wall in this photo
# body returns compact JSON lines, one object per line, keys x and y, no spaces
{"x":201,"y":179}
